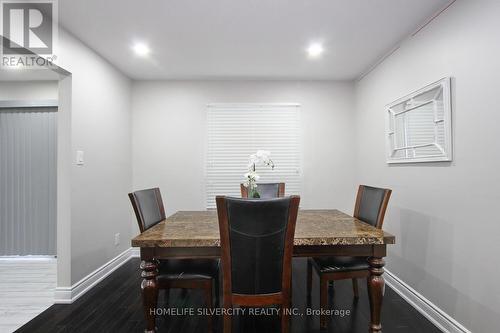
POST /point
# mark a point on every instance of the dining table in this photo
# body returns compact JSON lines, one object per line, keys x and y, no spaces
{"x":318,"y":233}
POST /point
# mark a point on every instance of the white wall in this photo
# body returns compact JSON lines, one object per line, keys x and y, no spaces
{"x":100,"y":126}
{"x":444,"y":214}
{"x":28,"y":90}
{"x":169,"y":136}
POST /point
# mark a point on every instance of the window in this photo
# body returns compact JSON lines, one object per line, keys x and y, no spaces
{"x":237,"y":130}
{"x":419,"y":126}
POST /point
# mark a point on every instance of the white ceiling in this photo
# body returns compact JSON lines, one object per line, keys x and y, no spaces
{"x":261,"y":39}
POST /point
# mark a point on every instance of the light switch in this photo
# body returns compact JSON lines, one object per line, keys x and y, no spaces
{"x":79,"y":157}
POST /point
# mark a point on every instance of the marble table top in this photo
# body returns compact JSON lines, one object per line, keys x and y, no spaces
{"x":314,"y":227}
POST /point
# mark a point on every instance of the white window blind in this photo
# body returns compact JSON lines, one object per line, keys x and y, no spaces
{"x":236,"y":131}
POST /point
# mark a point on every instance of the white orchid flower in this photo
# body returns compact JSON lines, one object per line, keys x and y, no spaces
{"x":254,"y":158}
{"x":263,"y":156}
{"x":251,"y":177}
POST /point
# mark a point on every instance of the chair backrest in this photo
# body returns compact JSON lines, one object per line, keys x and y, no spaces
{"x":371,"y":204}
{"x":148,"y":207}
{"x":266,"y":190}
{"x":257,"y":244}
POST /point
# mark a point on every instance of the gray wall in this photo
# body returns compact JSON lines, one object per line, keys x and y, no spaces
{"x":28,"y":144}
{"x":170,"y":131}
{"x":96,"y":102}
{"x":443,"y":214}
{"x":28,"y":90}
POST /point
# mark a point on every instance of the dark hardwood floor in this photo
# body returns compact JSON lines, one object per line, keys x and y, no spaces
{"x":115,"y":306}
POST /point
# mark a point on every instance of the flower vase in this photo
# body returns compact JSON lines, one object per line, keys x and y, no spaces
{"x":253,"y":193}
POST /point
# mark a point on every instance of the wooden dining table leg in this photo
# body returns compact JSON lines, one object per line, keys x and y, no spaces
{"x":376,"y":287}
{"x":149,"y":288}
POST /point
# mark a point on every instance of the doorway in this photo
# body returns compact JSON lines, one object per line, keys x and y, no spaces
{"x":28,"y":198}
{"x":28,"y":180}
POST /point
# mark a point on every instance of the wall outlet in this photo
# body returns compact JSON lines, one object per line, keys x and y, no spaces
{"x":117,"y":239}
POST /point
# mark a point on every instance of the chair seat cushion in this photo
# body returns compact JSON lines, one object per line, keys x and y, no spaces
{"x":340,"y":264}
{"x":186,"y":269}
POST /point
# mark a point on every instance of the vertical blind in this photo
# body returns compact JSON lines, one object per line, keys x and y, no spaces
{"x":28,"y":171}
{"x":236,"y":131}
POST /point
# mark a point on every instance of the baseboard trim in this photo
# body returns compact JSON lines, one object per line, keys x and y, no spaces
{"x":431,"y":311}
{"x":446,"y":323}
{"x":67,"y":295}
{"x":135,"y":252}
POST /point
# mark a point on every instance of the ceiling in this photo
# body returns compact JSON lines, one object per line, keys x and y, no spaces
{"x":252,"y":39}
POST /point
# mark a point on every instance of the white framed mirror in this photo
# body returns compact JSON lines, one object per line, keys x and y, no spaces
{"x":418,"y":127}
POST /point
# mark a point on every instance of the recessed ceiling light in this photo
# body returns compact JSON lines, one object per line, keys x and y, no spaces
{"x":141,"y":49}
{"x":315,"y":50}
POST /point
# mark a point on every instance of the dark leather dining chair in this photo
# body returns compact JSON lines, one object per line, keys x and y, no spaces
{"x":175,"y":273}
{"x":256,"y":251}
{"x":266,"y":190}
{"x":371,"y":204}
